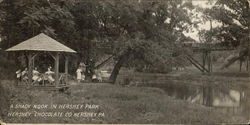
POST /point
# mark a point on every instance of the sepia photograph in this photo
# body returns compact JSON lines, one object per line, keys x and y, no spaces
{"x":125,"y":62}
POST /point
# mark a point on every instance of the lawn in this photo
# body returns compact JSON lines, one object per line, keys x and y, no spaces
{"x":118,"y":104}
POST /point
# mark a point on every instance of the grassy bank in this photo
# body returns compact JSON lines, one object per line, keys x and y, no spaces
{"x":235,"y":80}
{"x":119,"y":104}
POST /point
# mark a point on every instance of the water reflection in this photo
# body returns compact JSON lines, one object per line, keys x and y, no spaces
{"x":228,"y":100}
{"x":231,"y":99}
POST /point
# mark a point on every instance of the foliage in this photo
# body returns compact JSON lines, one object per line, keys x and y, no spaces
{"x":234,"y":16}
{"x":148,"y":31}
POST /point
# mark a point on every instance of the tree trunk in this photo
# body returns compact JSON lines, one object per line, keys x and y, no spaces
{"x":89,"y":69}
{"x":240,"y":64}
{"x":118,"y":66}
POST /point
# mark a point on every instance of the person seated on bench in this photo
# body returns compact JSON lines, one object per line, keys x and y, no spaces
{"x":36,"y":76}
{"x":97,"y":76}
{"x":18,"y":74}
{"x":49,"y":74}
{"x":24,"y":75}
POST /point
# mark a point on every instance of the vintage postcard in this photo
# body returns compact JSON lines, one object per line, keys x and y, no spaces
{"x":124,"y":62}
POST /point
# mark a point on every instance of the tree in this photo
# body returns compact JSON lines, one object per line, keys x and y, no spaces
{"x":151,"y":31}
{"x":234,"y":18}
{"x":23,"y":19}
{"x":146,"y":31}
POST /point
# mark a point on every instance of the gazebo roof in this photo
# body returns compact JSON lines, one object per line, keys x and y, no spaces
{"x":41,"y":42}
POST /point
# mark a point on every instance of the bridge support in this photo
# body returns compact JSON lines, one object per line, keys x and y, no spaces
{"x":197,"y":64}
{"x":248,"y":63}
{"x":207,"y":60}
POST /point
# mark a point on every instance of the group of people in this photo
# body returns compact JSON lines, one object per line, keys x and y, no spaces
{"x":48,"y":75}
{"x":36,"y":75}
{"x":80,"y":74}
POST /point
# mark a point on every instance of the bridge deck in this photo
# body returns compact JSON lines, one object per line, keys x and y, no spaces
{"x":212,"y":49}
{"x":208,"y":47}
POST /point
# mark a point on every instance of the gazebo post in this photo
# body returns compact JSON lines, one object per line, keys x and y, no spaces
{"x":57,"y":68}
{"x":29,"y":67}
{"x":66,"y":68}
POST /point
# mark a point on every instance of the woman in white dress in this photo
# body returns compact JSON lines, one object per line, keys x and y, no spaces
{"x":35,"y":76}
{"x":24,"y":75}
{"x":18,"y":74}
{"x":79,"y":74}
{"x":49,"y":74}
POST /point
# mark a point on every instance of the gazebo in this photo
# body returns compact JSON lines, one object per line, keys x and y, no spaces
{"x":44,"y":44}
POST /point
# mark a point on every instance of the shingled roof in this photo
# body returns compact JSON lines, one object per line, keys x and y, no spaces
{"x":41,"y":42}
